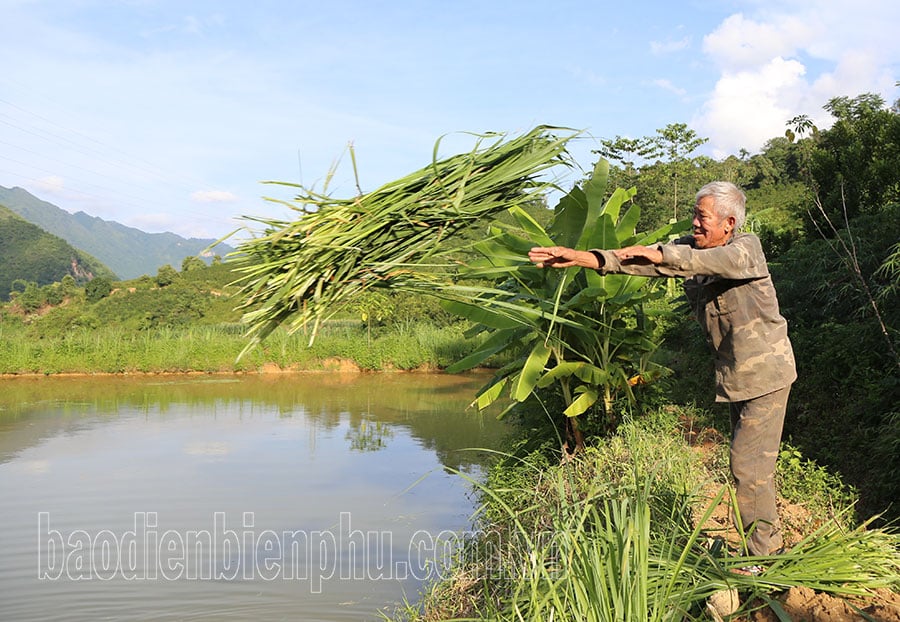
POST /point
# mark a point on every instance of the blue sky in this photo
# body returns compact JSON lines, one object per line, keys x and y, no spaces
{"x":167,"y":115}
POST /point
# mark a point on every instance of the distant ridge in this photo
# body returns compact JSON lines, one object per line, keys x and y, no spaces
{"x":127,"y":251}
{"x":30,"y":254}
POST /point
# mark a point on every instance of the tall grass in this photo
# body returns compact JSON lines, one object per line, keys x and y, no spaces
{"x":615,"y":535}
{"x":216,"y":349}
{"x":616,"y":559}
{"x":617,"y":541}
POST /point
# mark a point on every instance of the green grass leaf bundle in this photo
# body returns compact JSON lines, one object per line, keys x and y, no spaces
{"x":299,"y":273}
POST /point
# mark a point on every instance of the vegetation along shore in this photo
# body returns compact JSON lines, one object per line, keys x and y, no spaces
{"x":640,"y":515}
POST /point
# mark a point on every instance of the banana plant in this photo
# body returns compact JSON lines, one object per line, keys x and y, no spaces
{"x":574,"y":330}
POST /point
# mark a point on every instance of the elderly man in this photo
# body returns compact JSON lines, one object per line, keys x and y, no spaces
{"x":729,"y":288}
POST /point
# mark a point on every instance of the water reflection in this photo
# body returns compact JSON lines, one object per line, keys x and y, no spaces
{"x":329,"y":475}
{"x":57,"y":404}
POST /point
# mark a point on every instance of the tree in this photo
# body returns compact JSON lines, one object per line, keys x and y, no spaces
{"x":192,"y":262}
{"x":53,"y":293}
{"x":166,"y":275}
{"x":68,"y":286}
{"x":373,"y":308}
{"x":666,"y":169}
{"x":97,"y":288}
{"x":574,"y":331}
{"x":27,"y":295}
{"x":628,"y":151}
{"x":676,"y":142}
{"x":785,"y":157}
{"x":855,"y":165}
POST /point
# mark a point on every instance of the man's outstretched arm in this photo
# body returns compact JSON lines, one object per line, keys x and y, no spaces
{"x":562,"y":257}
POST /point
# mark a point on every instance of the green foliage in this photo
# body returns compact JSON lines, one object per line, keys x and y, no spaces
{"x":410,"y":309}
{"x":166,"y":275}
{"x":126,"y":251}
{"x":191,"y":324}
{"x":219,"y":276}
{"x":843,"y":405}
{"x":774,"y":217}
{"x":666,"y":177}
{"x":781,"y":162}
{"x":618,"y":533}
{"x":202,"y":296}
{"x":97,"y":289}
{"x":32,"y":255}
{"x":373,"y":307}
{"x":846,"y":372}
{"x":305,"y":271}
{"x":574,"y":331}
{"x":179,"y":304}
{"x":216,"y":348}
{"x":192,"y":262}
{"x":30,"y":298}
{"x":855,"y":165}
{"x":578,"y":539}
{"x":831,"y":290}
{"x":801,"y":480}
{"x":68,"y":287}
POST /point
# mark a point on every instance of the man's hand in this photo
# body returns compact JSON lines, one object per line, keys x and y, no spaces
{"x":562,"y":257}
{"x":640,"y":255}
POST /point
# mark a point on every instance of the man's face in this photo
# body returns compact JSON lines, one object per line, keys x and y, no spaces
{"x":709,"y":229}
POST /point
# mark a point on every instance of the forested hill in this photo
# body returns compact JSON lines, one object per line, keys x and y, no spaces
{"x":30,"y":254}
{"x":128,"y":252}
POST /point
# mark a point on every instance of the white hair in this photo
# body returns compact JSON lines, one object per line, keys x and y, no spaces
{"x":728,"y":199}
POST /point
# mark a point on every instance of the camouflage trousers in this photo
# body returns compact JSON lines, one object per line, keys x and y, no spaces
{"x":755,"y":439}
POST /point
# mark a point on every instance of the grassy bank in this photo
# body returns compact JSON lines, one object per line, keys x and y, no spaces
{"x":216,"y":348}
{"x":638,"y":528}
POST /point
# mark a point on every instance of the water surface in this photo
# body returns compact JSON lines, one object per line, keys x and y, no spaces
{"x":274,"y":497}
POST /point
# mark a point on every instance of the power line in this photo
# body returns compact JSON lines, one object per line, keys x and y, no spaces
{"x":153,"y":170}
{"x":138,"y":173}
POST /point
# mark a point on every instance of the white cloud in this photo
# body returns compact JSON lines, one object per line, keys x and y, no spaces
{"x":842,"y":27}
{"x":857,"y":71}
{"x":741,"y":43}
{"x":749,"y":107}
{"x":213,"y":196}
{"x":58,"y":188}
{"x":52,"y":184}
{"x":790,"y":58}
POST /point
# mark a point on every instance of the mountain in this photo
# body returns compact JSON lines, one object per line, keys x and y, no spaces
{"x":129,"y":252}
{"x":29,"y":253}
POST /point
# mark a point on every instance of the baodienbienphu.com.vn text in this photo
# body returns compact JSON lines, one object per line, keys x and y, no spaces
{"x":238,"y":549}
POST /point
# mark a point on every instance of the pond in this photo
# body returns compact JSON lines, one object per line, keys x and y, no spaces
{"x":270,"y":497}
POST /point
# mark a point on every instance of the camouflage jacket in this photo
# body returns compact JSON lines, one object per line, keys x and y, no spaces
{"x":731,"y":294}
